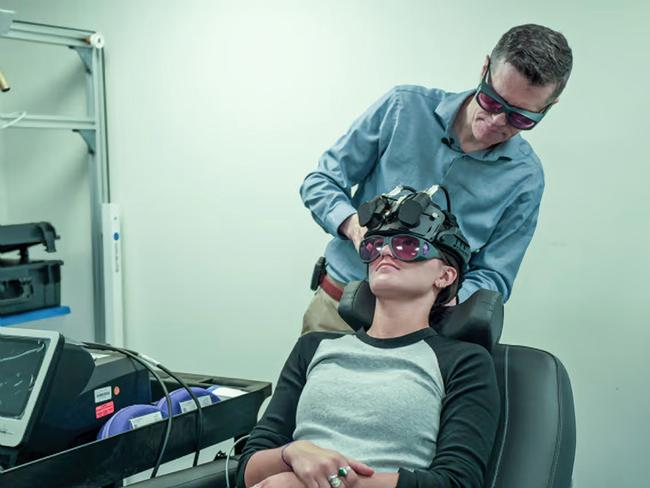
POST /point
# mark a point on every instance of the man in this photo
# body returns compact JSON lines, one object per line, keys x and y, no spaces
{"x":468,"y":142}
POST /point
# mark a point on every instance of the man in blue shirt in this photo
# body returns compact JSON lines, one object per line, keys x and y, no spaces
{"x":468,"y":142}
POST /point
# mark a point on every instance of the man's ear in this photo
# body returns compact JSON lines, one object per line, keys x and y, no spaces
{"x":486,"y":64}
{"x":550,"y":104}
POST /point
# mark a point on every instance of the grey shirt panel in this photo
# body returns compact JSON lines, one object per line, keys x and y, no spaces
{"x":352,"y":387}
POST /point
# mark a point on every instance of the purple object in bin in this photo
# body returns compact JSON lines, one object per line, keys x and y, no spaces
{"x":211,"y":390}
{"x":181,"y":395}
{"x":121,"y":420}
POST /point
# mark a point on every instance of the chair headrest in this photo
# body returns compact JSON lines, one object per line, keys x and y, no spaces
{"x":479,"y":319}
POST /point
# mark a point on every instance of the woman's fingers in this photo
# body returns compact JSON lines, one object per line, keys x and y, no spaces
{"x":323,"y":482}
{"x":329,"y":470}
{"x":351,"y":478}
{"x":347,"y":477}
{"x":361,"y":468}
{"x":323,"y":468}
{"x":312,"y":477}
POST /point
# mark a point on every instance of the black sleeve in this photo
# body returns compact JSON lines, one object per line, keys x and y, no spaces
{"x":468,"y":420}
{"x":276,"y":427}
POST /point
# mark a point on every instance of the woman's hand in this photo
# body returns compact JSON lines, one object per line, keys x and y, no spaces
{"x":281,"y":480}
{"x":313,"y":465}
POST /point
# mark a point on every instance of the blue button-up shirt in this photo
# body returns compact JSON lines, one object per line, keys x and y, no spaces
{"x":407,"y":138}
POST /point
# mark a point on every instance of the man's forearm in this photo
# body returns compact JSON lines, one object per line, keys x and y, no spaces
{"x":483,"y":279}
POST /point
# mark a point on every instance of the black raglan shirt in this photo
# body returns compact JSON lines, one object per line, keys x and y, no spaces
{"x":422,"y":405}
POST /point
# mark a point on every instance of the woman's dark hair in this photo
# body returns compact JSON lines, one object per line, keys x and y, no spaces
{"x":439,"y":312}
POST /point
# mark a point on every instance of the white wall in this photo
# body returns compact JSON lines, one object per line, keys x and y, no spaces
{"x":217,"y":110}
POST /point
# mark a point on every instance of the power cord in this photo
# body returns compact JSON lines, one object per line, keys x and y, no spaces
{"x":446,"y":198}
{"x":199,"y":407}
{"x":230,"y":455}
{"x":19,"y":116}
{"x":134,"y":356}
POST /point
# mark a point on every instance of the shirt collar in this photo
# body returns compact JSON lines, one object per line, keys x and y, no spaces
{"x":445,"y":114}
{"x":448,"y":108}
{"x":399,"y":341}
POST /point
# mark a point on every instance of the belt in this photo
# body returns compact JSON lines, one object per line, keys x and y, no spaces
{"x":331,"y":288}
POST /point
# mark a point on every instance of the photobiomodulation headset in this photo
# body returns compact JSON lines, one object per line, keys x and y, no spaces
{"x":414,"y":227}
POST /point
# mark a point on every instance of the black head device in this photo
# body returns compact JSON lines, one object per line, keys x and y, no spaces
{"x":405,"y":210}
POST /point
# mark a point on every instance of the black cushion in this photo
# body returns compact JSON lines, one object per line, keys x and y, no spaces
{"x":536,"y":438}
{"x":479,"y":319}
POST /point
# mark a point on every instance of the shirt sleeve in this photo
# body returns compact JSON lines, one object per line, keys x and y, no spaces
{"x":278,"y":423}
{"x":468,"y":423}
{"x":326,"y":192}
{"x":496,"y":265}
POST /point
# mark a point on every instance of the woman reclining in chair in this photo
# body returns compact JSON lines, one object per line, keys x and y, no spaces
{"x":398,"y":404}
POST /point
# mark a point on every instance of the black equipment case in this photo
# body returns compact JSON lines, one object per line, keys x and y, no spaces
{"x":27,"y":285}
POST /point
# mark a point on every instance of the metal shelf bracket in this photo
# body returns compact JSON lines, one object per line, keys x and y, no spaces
{"x":92,"y":128}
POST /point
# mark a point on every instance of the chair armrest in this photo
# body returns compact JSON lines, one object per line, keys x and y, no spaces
{"x":208,"y":475}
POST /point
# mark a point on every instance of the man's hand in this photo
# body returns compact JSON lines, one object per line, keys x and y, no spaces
{"x":351,"y":229}
{"x":313,"y":465}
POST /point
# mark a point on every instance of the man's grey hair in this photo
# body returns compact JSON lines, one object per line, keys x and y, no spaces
{"x":541,"y":54}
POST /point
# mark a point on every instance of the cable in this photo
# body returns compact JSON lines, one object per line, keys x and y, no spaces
{"x":229,"y":456}
{"x":126,"y":352}
{"x":19,"y":116}
{"x":446,"y":198}
{"x":199,"y":407}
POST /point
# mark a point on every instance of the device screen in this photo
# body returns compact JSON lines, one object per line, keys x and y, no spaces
{"x":20,"y":362}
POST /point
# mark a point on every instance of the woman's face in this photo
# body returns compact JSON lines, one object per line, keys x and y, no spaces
{"x":391,"y":278}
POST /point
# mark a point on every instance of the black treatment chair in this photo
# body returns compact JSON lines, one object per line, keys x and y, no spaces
{"x":535,"y":442}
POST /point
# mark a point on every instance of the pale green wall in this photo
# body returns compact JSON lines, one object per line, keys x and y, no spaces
{"x":217,"y":110}
{"x":45,"y":173}
{"x":3,"y":191}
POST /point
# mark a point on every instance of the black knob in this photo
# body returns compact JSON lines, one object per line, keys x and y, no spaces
{"x":366,"y":211}
{"x":411,"y":209}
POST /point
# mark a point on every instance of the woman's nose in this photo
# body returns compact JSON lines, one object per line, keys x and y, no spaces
{"x":386,"y":250}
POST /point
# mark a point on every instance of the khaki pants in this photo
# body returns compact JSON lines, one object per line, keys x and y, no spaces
{"x":322,"y":315}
